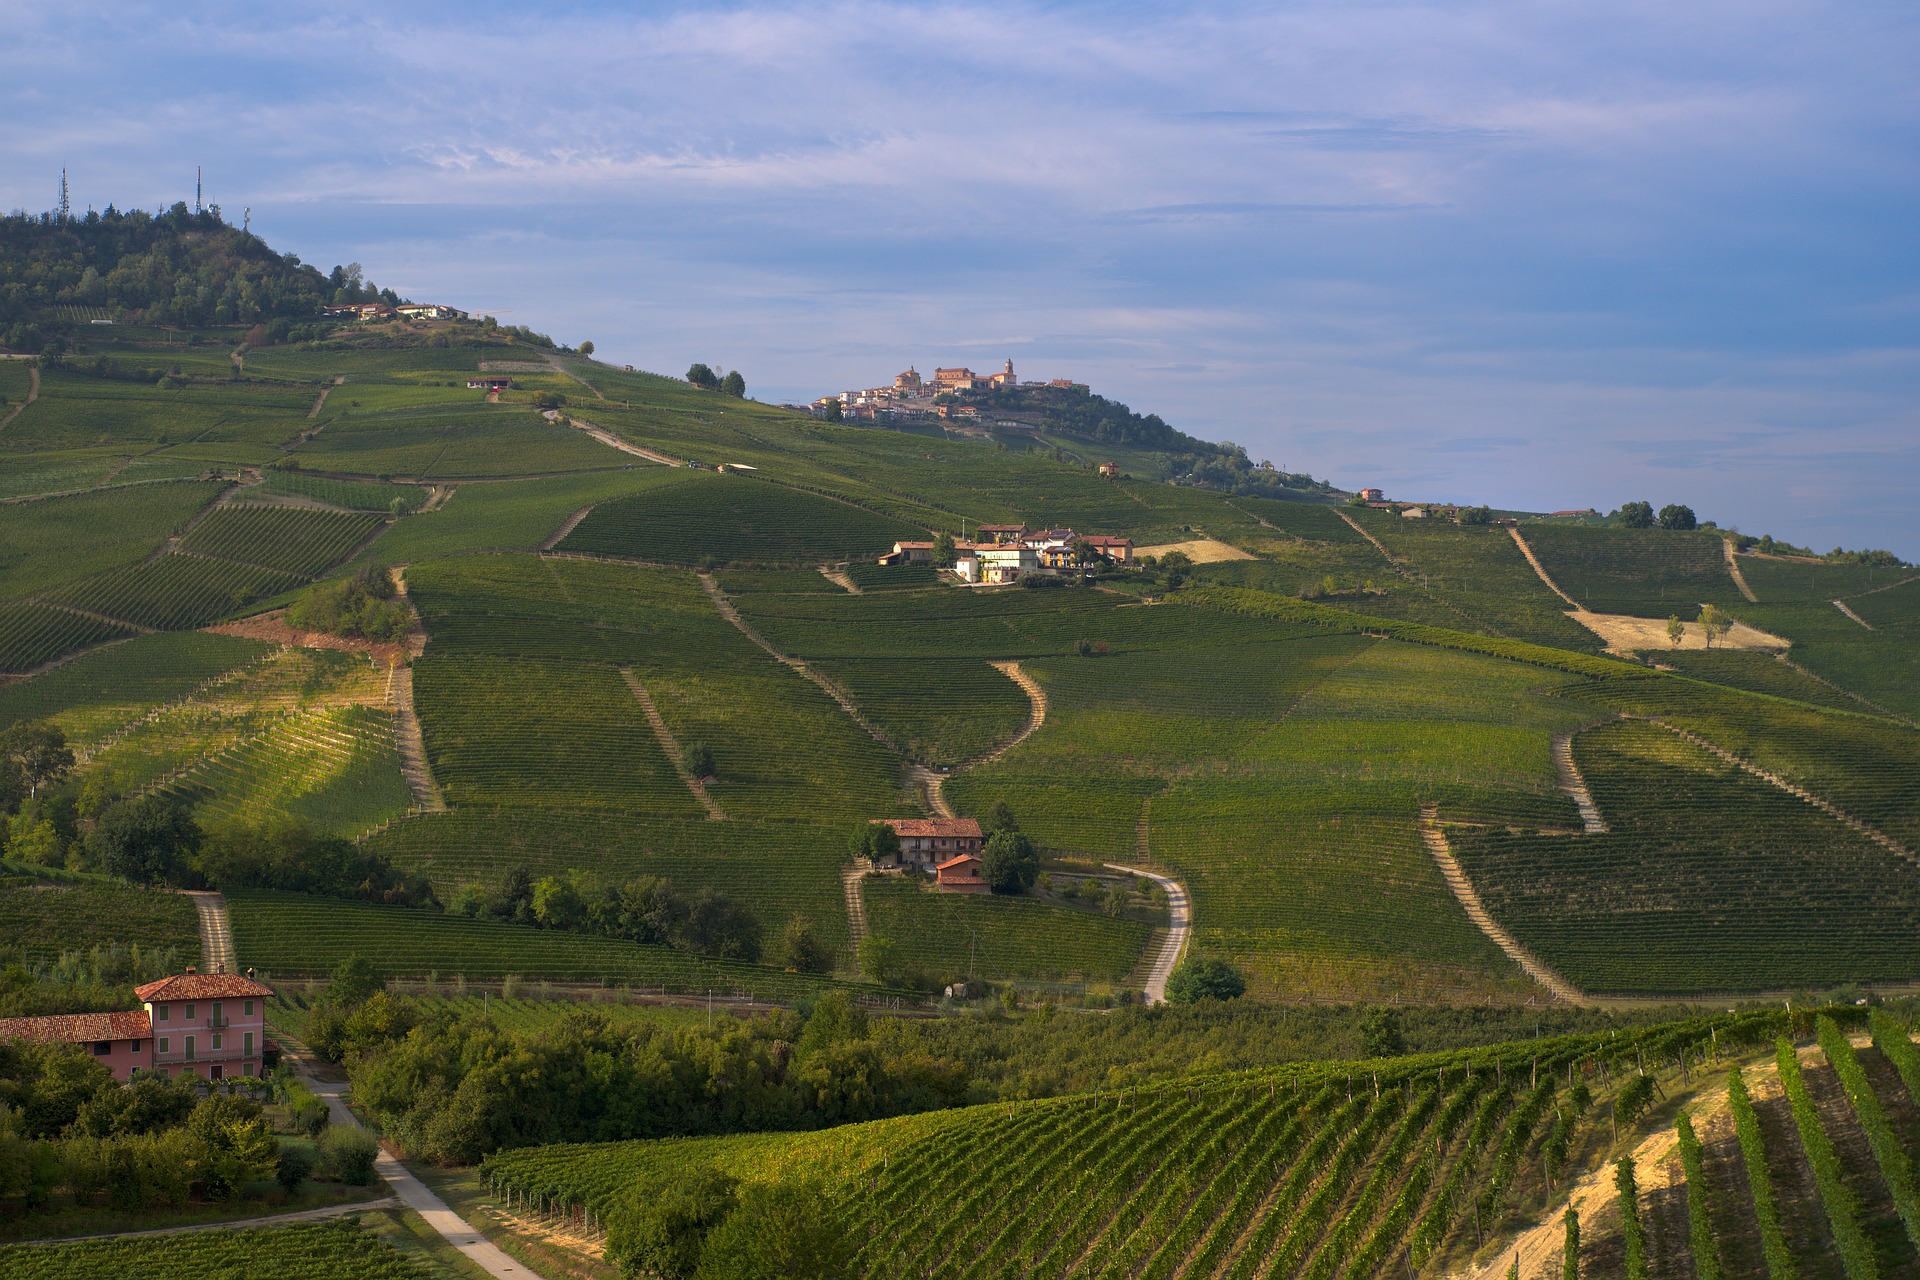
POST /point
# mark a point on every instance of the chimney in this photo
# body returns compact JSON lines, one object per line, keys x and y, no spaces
{"x":191,"y":971}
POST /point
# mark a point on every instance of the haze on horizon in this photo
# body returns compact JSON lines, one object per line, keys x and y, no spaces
{"x":1535,"y":256}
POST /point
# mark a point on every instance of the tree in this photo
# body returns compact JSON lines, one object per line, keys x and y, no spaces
{"x":1713,"y":623}
{"x":1676,"y":630}
{"x":1380,"y":1033}
{"x":698,"y":761}
{"x":944,"y":549}
{"x":39,"y":750}
{"x":875,"y":840}
{"x":702,"y":377}
{"x":734,"y":385}
{"x":147,"y":841}
{"x":1000,"y":818}
{"x":879,"y":958}
{"x":1676,"y":516}
{"x":557,"y":903}
{"x":832,"y":411}
{"x":586,"y":348}
{"x":1205,"y":978}
{"x":780,"y":1231}
{"x":1477,"y":515}
{"x":296,"y":1165}
{"x":353,"y":982}
{"x":801,"y":949}
{"x":662,"y":1230}
{"x":1009,"y":863}
{"x":549,"y":400}
{"x":1636,"y":515}
{"x":716,"y":925}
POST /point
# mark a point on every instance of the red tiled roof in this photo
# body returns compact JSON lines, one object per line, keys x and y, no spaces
{"x":948,"y":827}
{"x":1106,"y":540}
{"x":78,"y":1028}
{"x":201,"y":986}
{"x":956,"y":861}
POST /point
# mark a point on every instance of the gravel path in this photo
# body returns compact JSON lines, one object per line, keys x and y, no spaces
{"x":1179,"y":926}
{"x":216,"y":934}
{"x":1469,"y":897}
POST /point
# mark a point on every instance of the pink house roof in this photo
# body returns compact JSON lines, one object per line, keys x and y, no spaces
{"x":201,"y":986}
{"x":78,"y":1028}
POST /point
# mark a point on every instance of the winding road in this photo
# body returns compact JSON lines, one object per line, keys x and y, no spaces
{"x":1179,"y":926}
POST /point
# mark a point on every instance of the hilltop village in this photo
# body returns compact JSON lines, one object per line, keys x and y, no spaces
{"x":941,"y":397}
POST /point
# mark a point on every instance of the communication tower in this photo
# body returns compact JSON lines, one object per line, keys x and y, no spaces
{"x":66,"y":203}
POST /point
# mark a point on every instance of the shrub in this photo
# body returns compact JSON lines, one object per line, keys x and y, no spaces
{"x":662,"y":1230}
{"x":1205,"y":978}
{"x":297,"y":1163}
{"x":348,"y":1152}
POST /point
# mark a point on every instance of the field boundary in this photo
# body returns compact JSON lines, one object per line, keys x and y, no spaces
{"x":1841,"y":605}
{"x":1469,"y":898}
{"x":411,"y":743}
{"x":613,"y":441}
{"x":567,"y":526}
{"x":670,"y":745}
{"x":1574,"y":783}
{"x":321,"y":1214}
{"x":1541,"y":569}
{"x":1378,"y":545}
{"x":33,"y":392}
{"x":1733,"y":571}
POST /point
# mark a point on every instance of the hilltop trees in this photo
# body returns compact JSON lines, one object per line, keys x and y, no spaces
{"x":703,"y":377}
{"x":1635,"y":515}
{"x":365,"y":605}
{"x":734,"y":385}
{"x":1677,"y":516}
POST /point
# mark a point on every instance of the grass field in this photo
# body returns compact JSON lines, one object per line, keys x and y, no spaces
{"x":1710,"y":880}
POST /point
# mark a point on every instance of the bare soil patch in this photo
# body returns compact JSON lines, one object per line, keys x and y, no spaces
{"x":1625,"y":634}
{"x":275,"y":629}
{"x":1199,"y":550}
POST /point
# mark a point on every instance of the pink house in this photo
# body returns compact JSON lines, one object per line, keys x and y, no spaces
{"x":212,"y":1025}
{"x":207,"y":1024}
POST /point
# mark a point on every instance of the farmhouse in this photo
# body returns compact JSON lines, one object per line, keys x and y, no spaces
{"x":209,"y":1025}
{"x":429,"y":311}
{"x":490,"y":382}
{"x":927,"y":842}
{"x":960,"y":874}
{"x":1372,"y":495}
{"x":1109,"y":470}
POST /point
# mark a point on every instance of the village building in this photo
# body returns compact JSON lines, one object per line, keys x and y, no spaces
{"x":1002,"y":532}
{"x":207,"y":1025}
{"x":1110,"y":470}
{"x":960,"y":874}
{"x":1372,"y":495}
{"x":927,"y":842}
{"x":358,"y":310}
{"x":429,"y":311}
{"x":907,"y":383}
{"x":490,"y":382}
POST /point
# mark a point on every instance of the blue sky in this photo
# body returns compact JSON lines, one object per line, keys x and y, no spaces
{"x":1538,"y":255}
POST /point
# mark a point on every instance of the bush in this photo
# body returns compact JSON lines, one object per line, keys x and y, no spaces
{"x":297,"y":1163}
{"x":1205,"y":978}
{"x":364,"y":605}
{"x":777,"y":1232}
{"x":801,"y":949}
{"x":698,"y":761}
{"x":348,"y":1152}
{"x":663,"y":1229}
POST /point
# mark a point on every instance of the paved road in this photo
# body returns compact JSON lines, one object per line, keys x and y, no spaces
{"x":416,"y":1196}
{"x":1180,"y":924}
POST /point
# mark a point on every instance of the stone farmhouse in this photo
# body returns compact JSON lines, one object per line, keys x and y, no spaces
{"x":211,"y":1026}
{"x":927,"y":842}
{"x":1003,"y":553}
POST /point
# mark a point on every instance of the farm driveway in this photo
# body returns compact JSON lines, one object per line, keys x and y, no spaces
{"x":1180,"y":924}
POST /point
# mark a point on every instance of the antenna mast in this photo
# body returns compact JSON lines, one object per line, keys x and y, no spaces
{"x":66,"y":205}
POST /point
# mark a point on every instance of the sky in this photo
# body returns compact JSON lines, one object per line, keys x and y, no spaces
{"x":1539,"y":255}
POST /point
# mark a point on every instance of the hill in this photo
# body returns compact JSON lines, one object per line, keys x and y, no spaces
{"x":610,"y":569}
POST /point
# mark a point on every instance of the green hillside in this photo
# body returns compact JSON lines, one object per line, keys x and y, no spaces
{"x":592,"y":615}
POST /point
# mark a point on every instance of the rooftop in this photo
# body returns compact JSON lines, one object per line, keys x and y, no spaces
{"x":200,"y":986}
{"x":938,"y":827}
{"x":78,"y":1028}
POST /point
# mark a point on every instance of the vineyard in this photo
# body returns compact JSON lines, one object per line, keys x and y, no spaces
{"x":942,"y":713}
{"x":1329,"y":1170}
{"x":106,"y":689}
{"x":949,"y":937}
{"x":32,"y":633}
{"x":293,"y":935}
{"x":45,"y":919}
{"x":732,"y":519}
{"x":297,"y":540}
{"x":1709,"y":879}
{"x":338,"y":1250}
{"x":176,"y":592}
{"x":1647,"y":572}
{"x":351,"y":494}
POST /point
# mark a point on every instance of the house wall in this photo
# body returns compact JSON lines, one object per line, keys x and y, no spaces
{"x":124,"y":1057}
{"x":227,"y":1036}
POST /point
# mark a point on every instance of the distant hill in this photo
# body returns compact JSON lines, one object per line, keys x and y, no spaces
{"x":173,"y":268}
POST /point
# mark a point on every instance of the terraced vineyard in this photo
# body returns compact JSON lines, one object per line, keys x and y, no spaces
{"x":351,"y":494}
{"x":1646,"y":572}
{"x":106,"y":689}
{"x":1318,"y":1169}
{"x":333,"y":767}
{"x":32,"y":633}
{"x":296,"y":540}
{"x":176,"y":592}
{"x":733,"y":519}
{"x":45,"y":919}
{"x":1709,"y":879}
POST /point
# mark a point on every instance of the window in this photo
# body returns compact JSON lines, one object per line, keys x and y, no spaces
{"x":102,"y":1048}
{"x":163,"y":1044}
{"x":216,"y":1041}
{"x":246,"y":1068}
{"x":248,"y":1008}
{"x":166,"y":1011}
{"x":214,"y":1072}
{"x":190,"y":1040}
{"x":219,"y":1014}
{"x":246,"y":1044}
{"x":189,"y":1013}
{"x":134,"y":1045}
